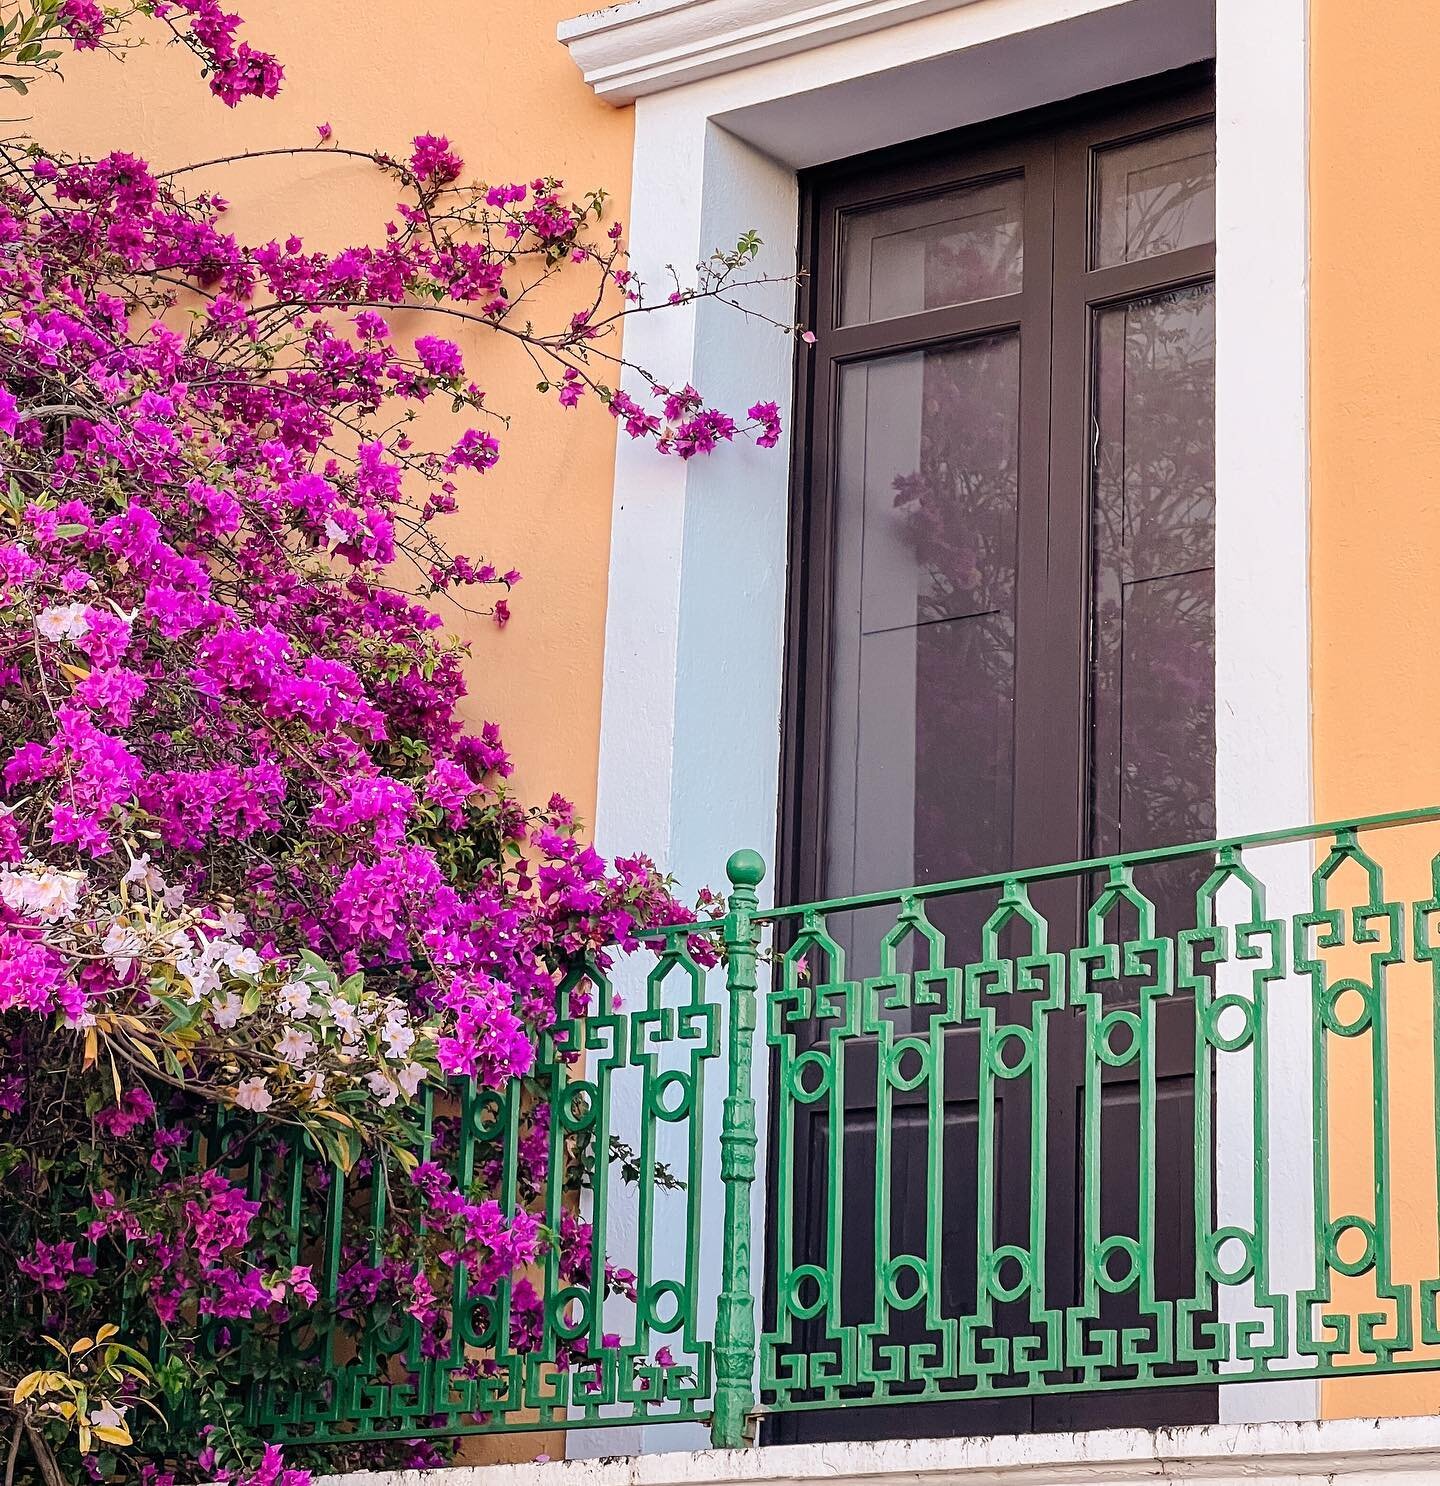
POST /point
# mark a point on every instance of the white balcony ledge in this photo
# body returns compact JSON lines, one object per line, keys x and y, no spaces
{"x":1339,"y":1452}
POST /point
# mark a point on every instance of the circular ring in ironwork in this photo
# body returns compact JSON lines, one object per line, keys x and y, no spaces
{"x":995,"y":1053}
{"x":1213,"y":1262}
{"x":1337,"y":1231}
{"x":576,"y":1104}
{"x":673,"y":1079}
{"x":1112,"y":1282}
{"x":904,"y":1264}
{"x":908,"y":1081}
{"x":805,"y":1309}
{"x":1105,"y":1049}
{"x":1009,"y":1254}
{"x":480,"y":1317}
{"x":1330,"y":1008}
{"x":650,"y":1313}
{"x":570,"y":1324}
{"x":795,"y":1076}
{"x":1234,"y":1041}
{"x":488,"y":1108}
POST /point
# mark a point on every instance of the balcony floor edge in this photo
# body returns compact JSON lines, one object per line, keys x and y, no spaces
{"x":1353,"y":1451}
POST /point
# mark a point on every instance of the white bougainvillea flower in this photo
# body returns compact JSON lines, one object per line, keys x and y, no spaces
{"x":230,"y":923}
{"x":294,"y":1046}
{"x":398,"y":1037}
{"x":385,"y":1090}
{"x":41,"y":892}
{"x":124,"y":946}
{"x":142,"y":874}
{"x":253,"y":1095}
{"x":295,"y":999}
{"x":63,"y":622}
{"x":241,"y":961}
{"x":200,"y":973}
{"x":228,"y":1012}
{"x":343,"y":1015}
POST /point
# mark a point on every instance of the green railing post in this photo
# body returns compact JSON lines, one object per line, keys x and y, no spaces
{"x":735,"y":1309}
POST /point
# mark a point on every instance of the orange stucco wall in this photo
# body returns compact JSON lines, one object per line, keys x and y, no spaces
{"x":493,"y":77}
{"x":1375,"y":533}
{"x":1375,"y":416}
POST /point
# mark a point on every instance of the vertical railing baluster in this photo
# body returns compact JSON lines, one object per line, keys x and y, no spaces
{"x":1198,"y":968}
{"x":502,"y":1298}
{"x":552,"y":1077}
{"x":1424,"y":914}
{"x":735,"y":1309}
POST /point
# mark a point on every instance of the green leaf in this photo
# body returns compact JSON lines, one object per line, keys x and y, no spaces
{"x":315,"y":963}
{"x":183,"y":1013}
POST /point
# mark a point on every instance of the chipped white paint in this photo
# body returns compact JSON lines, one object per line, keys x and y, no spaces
{"x":1339,"y":1452}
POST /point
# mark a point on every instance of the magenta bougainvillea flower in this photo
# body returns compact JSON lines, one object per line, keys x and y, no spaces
{"x":252,"y":855}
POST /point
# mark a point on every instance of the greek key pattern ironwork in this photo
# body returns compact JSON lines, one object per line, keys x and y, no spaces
{"x":1153,"y":1120}
{"x":582,"y":1353}
{"x":1090,"y":986}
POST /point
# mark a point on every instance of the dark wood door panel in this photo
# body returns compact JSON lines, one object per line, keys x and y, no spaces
{"x":1000,"y":654}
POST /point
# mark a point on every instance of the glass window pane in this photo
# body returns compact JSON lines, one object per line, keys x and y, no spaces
{"x":950,"y":248}
{"x":921,"y":731}
{"x":1154,"y":593}
{"x":1155,"y":195}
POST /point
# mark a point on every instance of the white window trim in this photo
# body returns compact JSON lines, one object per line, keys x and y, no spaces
{"x":731,"y":99}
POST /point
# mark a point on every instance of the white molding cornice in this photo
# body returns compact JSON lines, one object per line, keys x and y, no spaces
{"x":645,"y":46}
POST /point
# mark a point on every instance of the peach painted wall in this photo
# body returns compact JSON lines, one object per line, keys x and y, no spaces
{"x":1375,"y":535}
{"x":491,"y":75}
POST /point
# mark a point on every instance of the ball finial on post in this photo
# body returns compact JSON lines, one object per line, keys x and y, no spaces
{"x":745,"y":869}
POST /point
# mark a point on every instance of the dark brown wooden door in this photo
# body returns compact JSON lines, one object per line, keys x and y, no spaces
{"x":1002,"y":613}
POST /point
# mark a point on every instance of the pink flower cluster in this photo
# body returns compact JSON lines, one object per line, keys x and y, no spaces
{"x":227,"y":691}
{"x":235,"y":69}
{"x":186,"y":662}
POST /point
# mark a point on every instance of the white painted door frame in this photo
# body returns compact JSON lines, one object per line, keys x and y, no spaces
{"x":732,"y":97}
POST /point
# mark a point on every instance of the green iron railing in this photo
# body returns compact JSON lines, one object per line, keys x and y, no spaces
{"x":374,"y":1376}
{"x":1114,"y":1124}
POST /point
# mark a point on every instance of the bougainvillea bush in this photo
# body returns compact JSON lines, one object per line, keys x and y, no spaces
{"x":251,"y":861}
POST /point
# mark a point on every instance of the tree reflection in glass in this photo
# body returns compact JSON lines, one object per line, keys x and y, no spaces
{"x":949,"y":247}
{"x":1153,"y":549}
{"x":1155,"y":195}
{"x":922,"y":724}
